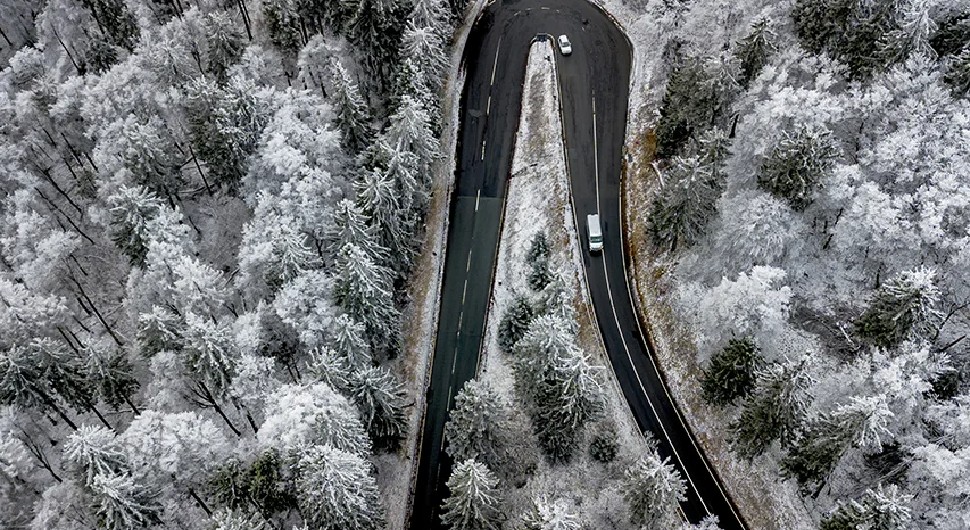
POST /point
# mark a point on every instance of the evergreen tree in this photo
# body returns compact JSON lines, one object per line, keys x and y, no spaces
{"x":477,"y":427}
{"x":603,"y":447}
{"x":227,"y":519}
{"x":515,"y":322}
{"x":121,"y":504}
{"x":43,"y":374}
{"x":352,"y":116}
{"x":348,"y":340}
{"x":814,"y":455}
{"x":266,"y":484}
{"x":131,"y":209}
{"x":849,"y":30}
{"x":653,"y":489}
{"x":336,"y":490}
{"x":411,"y":129}
{"x":906,"y":306}
{"x":681,"y":210}
{"x":539,"y":248}
{"x":551,"y":515}
{"x":95,"y":451}
{"x":561,"y":387}
{"x":732,"y":372}
{"x":696,"y":98}
{"x":796,"y":166}
{"x":364,"y":291}
{"x":774,"y":409}
{"x":375,"y":27}
{"x":381,"y":399}
{"x":472,"y":502}
{"x":957,"y":74}
{"x":880,"y":509}
{"x":381,"y":201}
{"x":754,"y":50}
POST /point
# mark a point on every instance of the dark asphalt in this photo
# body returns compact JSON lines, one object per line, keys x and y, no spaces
{"x":599,"y":69}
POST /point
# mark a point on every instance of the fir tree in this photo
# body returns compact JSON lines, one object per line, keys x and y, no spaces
{"x":364,"y":291}
{"x":472,"y":503}
{"x":732,"y":372}
{"x":652,"y":489}
{"x":681,"y":210}
{"x":603,"y":447}
{"x":477,"y":426}
{"x":352,"y":116}
{"x":814,"y":455}
{"x":908,"y":305}
{"x":754,"y":50}
{"x":336,"y":490}
{"x":879,"y":509}
{"x":958,"y":73}
{"x":515,"y":322}
{"x":794,"y":169}
{"x":121,"y":504}
{"x":696,"y":97}
{"x":381,"y":400}
{"x":774,"y":409}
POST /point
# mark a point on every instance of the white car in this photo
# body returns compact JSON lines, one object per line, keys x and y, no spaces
{"x":564,"y":45}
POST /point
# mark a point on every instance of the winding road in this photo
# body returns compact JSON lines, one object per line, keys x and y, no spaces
{"x":594,"y":82}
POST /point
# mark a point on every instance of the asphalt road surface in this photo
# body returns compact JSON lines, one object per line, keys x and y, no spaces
{"x":594,"y":85}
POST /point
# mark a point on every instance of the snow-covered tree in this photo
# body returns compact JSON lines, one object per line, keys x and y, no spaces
{"x":698,"y":93}
{"x":755,"y":49}
{"x":227,"y":519}
{"x":774,"y":409}
{"x":478,"y":425}
{"x":796,"y":166}
{"x":681,"y":210}
{"x":300,"y":416}
{"x":549,"y":514}
{"x":708,"y":523}
{"x":362,"y":288}
{"x":347,"y":338}
{"x":907,"y":305}
{"x":515,"y":322}
{"x":95,"y":451}
{"x":731,"y":374}
{"x":815,"y":453}
{"x":337,"y":490}
{"x":653,"y":489}
{"x":381,"y":399}
{"x":352,"y":117}
{"x":410,"y":129}
{"x":560,"y":385}
{"x":473,"y":499}
{"x":880,"y":509}
{"x":121,"y":503}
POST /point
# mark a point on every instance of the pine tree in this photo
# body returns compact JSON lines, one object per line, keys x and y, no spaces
{"x":754,"y":50}
{"x":472,"y":503}
{"x":796,"y":166}
{"x":227,"y":519}
{"x":604,"y":447}
{"x":381,"y":202}
{"x":515,"y":322}
{"x":337,"y":491}
{"x":681,"y":210}
{"x":131,"y":209}
{"x":551,"y":515}
{"x":731,"y":374}
{"x":375,"y":27}
{"x":349,"y":224}
{"x":774,"y":409}
{"x":477,"y":427}
{"x":43,"y":374}
{"x":814,"y":455}
{"x":652,"y":489}
{"x":908,"y":305}
{"x":352,"y":116}
{"x":381,"y":399}
{"x":410,"y":129}
{"x":879,"y":509}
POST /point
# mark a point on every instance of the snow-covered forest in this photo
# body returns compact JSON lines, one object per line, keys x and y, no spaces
{"x":208,"y":215}
{"x":811,"y":232}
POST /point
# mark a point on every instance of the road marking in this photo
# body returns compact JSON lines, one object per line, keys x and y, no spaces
{"x":477,"y":198}
{"x":653,"y":409}
{"x":488,"y":104}
{"x":495,"y":63}
{"x":596,"y":155}
{"x":483,"y":148}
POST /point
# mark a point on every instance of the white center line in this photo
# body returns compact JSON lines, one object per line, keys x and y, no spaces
{"x":495,"y":63}
{"x":477,"y":198}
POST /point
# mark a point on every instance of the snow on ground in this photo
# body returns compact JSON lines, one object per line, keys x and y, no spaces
{"x":539,"y":200}
{"x":396,"y":472}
